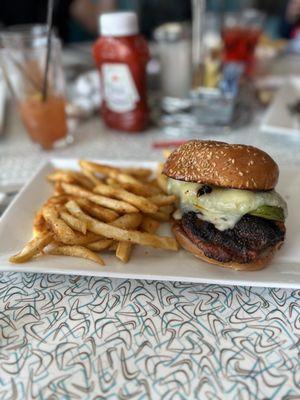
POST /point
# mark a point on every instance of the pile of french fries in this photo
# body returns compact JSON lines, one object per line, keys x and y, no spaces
{"x":101,"y":208}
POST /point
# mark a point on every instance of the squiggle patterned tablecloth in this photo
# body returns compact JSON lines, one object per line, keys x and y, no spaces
{"x":69,"y":338}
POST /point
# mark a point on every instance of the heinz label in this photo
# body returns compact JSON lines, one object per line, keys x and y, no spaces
{"x":119,"y":89}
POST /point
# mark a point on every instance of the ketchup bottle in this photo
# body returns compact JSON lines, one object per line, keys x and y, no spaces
{"x":121,"y":55}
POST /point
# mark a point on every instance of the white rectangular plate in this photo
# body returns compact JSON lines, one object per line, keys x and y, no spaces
{"x":2,"y":102}
{"x":148,"y":263}
{"x":278,"y":118}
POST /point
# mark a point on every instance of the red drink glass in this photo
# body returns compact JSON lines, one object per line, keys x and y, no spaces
{"x":241,"y":32}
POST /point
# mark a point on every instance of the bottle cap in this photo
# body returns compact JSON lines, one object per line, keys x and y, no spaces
{"x":171,"y":32}
{"x":118,"y":24}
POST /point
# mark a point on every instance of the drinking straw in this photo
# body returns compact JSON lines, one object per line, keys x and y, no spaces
{"x":198,"y":11}
{"x":48,"y":51}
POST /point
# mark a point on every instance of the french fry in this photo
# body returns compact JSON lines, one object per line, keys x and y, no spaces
{"x":160,"y":216}
{"x":113,"y":246}
{"x":101,"y":208}
{"x":154,"y":185}
{"x":123,"y":251}
{"x":118,"y":175}
{"x":83,"y":240}
{"x":139,"y":202}
{"x":163,"y":214}
{"x":131,"y":182}
{"x":162,"y":180}
{"x":98,"y":168}
{"x":102,"y":213}
{"x":127,"y":221}
{"x":141,"y":173}
{"x":68,"y":176}
{"x":77,"y":251}
{"x":74,"y":209}
{"x":135,"y":186}
{"x":154,"y":190}
{"x":113,"y":232}
{"x":107,"y":170}
{"x":112,"y":182}
{"x":117,"y":205}
{"x":167,"y":209}
{"x":63,"y":233}
{"x":57,"y":199}
{"x":39,"y":225}
{"x":32,"y":248}
{"x":57,"y":189}
{"x":100,"y":245}
{"x":163,"y":200}
{"x":149,"y":225}
{"x":60,"y":176}
{"x":95,"y":181}
{"x":73,"y":222}
{"x":83,"y":180}
{"x":138,"y":190}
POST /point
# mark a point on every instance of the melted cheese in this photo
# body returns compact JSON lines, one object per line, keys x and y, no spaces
{"x":223,"y":207}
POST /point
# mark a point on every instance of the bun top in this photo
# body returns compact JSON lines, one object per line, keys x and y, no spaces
{"x":234,"y":166}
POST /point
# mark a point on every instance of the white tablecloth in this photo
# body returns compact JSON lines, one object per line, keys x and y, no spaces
{"x":88,"y":338}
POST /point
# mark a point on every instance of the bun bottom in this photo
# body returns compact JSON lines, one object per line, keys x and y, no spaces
{"x":188,"y":245}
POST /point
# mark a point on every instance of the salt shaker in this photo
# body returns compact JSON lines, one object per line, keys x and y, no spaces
{"x":174,"y":48}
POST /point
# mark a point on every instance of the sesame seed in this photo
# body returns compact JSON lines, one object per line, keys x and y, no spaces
{"x":210,"y":155}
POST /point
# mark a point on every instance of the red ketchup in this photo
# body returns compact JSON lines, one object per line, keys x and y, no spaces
{"x":121,"y":55}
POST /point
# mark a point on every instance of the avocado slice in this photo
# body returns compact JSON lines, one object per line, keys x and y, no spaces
{"x":269,"y":212}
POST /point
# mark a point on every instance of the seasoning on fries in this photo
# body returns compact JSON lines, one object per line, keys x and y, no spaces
{"x":101,"y":209}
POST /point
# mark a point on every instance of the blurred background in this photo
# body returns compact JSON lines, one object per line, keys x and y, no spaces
{"x":77,"y":20}
{"x":220,"y":69}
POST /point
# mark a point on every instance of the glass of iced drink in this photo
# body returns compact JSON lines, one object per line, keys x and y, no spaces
{"x":41,"y":103}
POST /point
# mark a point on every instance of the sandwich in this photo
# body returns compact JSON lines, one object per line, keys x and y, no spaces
{"x":230,"y":214}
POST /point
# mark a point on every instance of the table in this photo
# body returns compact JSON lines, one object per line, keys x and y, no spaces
{"x":88,"y":338}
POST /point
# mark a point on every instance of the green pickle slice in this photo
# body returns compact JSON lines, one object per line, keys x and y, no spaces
{"x":269,"y":212}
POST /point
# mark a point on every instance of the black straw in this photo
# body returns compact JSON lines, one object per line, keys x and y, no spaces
{"x":49,"y":41}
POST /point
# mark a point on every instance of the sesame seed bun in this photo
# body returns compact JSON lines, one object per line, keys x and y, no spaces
{"x":191,"y":247}
{"x":233,"y":166}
